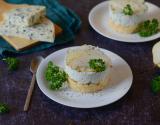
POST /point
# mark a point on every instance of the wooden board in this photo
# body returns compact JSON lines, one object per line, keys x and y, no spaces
{"x":20,"y":43}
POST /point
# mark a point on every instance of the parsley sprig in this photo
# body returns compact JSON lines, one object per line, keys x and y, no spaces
{"x":4,"y":108}
{"x":156,"y":84}
{"x":148,"y":28}
{"x":127,"y":10}
{"x":13,"y":63}
{"x":97,"y":65}
{"x":55,"y":76}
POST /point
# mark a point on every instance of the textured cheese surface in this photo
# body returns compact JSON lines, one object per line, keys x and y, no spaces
{"x":117,"y":15}
{"x":25,"y":16}
{"x":77,"y":65}
{"x":138,"y":6}
{"x":40,"y":32}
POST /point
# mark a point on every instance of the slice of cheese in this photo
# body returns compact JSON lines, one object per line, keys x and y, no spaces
{"x":40,"y":32}
{"x":25,"y":16}
{"x":23,"y":44}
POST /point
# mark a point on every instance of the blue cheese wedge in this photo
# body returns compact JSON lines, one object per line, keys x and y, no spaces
{"x":81,"y":77}
{"x":44,"y":31}
{"x":120,"y":22}
{"x":25,"y":16}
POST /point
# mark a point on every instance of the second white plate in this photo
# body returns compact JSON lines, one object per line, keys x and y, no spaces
{"x":99,"y":16}
{"x":121,"y":81}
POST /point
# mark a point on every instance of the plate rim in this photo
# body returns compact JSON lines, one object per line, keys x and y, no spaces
{"x":147,"y":39}
{"x":78,"y":106}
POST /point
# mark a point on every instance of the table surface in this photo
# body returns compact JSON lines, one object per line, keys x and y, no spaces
{"x":139,"y":107}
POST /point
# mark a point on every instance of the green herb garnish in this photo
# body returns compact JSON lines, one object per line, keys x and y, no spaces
{"x":156,"y":84}
{"x":3,"y":108}
{"x":13,"y":63}
{"x":55,"y":76}
{"x":97,"y":65}
{"x":148,"y":28}
{"x":127,"y":10}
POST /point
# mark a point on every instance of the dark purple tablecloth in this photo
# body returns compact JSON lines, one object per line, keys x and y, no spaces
{"x":139,"y":107}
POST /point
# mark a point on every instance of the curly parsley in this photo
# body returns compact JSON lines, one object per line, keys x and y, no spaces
{"x":13,"y":63}
{"x":97,"y":65}
{"x":127,"y":10}
{"x":3,"y":108}
{"x":55,"y":76}
{"x":148,"y":28}
{"x":156,"y":84}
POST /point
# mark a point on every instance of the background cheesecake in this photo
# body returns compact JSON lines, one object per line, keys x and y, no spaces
{"x":81,"y":76}
{"x":126,"y":15}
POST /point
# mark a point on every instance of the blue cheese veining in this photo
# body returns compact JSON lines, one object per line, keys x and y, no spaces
{"x":25,"y":16}
{"x":44,"y":31}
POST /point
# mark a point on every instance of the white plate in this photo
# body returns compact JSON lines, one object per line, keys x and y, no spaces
{"x":99,"y":16}
{"x":121,"y":82}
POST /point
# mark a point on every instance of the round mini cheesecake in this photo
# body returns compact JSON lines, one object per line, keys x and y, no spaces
{"x":81,"y":76}
{"x":122,"y":22}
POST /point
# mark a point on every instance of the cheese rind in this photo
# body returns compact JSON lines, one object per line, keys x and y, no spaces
{"x":25,"y":16}
{"x":40,"y":32}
